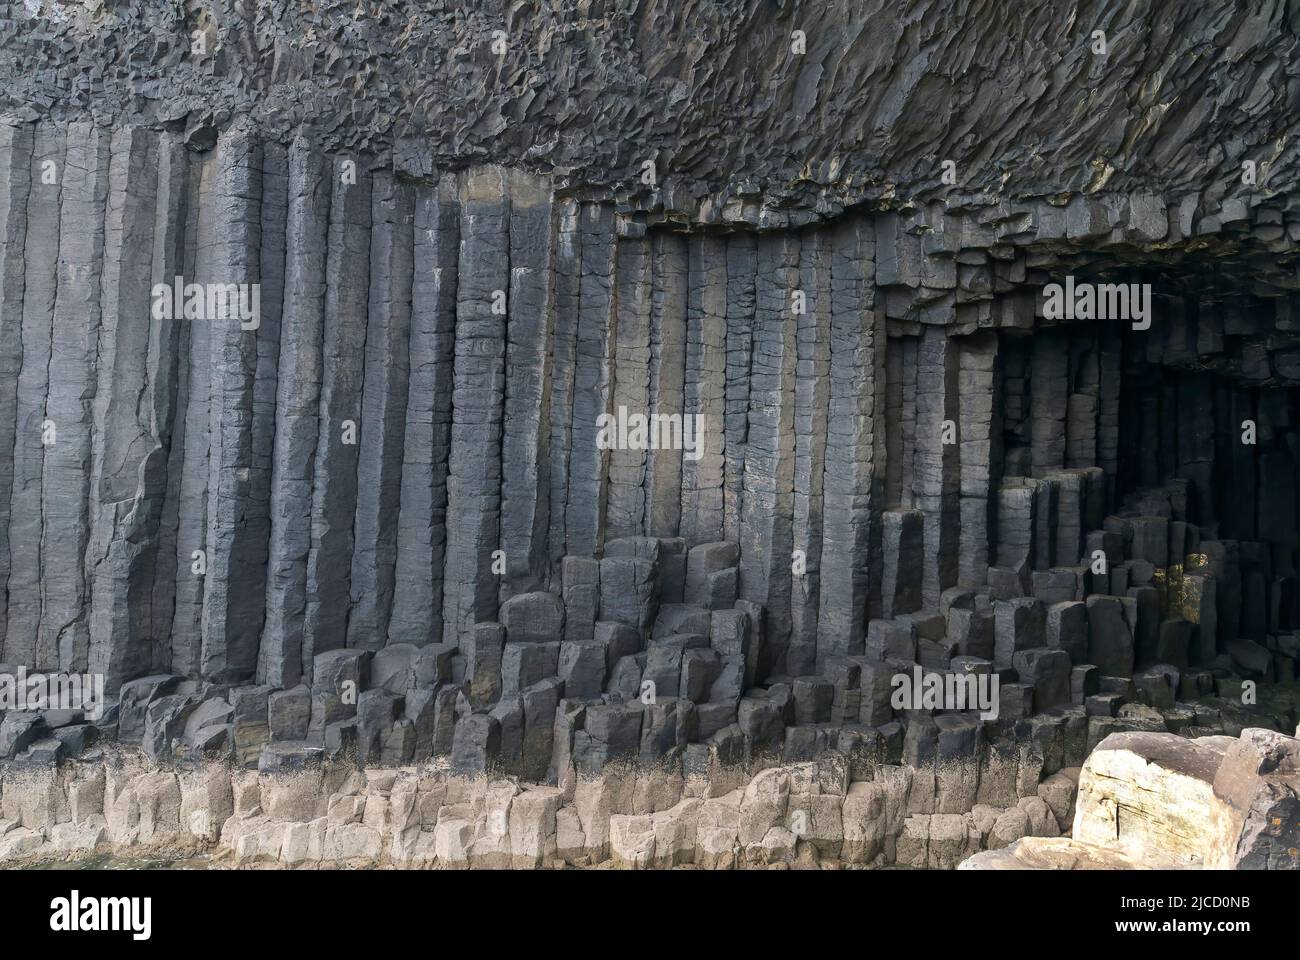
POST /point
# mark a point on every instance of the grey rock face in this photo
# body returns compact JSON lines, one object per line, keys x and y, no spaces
{"x":289,"y":713}
{"x":297,"y":416}
{"x":581,"y":592}
{"x":421,"y":524}
{"x":19,"y":730}
{"x":628,"y":591}
{"x":822,"y":115}
{"x":645,"y":433}
{"x":1110,"y":637}
{"x":1019,"y":624}
{"x":478,"y":391}
{"x":134,"y":699}
{"x":533,"y":618}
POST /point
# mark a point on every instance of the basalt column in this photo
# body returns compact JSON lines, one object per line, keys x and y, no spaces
{"x":235,"y":582}
{"x":422,"y":517}
{"x":343,"y":346}
{"x":812,"y":309}
{"x":701,"y":385}
{"x":478,"y":392}
{"x":741,"y":263}
{"x":564,"y":363}
{"x":525,"y":444}
{"x":15,"y":189}
{"x":297,"y":409}
{"x":766,"y":534}
{"x":935,"y":478}
{"x":980,"y":427}
{"x":383,"y":412}
{"x":705,"y":387}
{"x":136,"y":358}
{"x":663,"y":470}
{"x":632,"y":373}
{"x":592,"y":381}
{"x":855,"y":447}
{"x":64,"y":637}
{"x":191,"y":499}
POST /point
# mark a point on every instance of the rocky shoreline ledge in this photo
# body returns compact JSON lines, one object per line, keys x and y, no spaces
{"x":1214,"y":801}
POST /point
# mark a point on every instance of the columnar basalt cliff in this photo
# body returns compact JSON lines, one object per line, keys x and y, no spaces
{"x":550,"y":389}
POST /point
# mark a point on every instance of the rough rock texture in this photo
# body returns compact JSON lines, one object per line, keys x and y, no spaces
{"x":1158,"y":801}
{"x":300,"y":809}
{"x":596,"y":383}
{"x":715,"y":94}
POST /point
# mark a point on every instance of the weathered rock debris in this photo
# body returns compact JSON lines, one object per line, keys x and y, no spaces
{"x":1160,"y":801}
{"x":355,"y":506}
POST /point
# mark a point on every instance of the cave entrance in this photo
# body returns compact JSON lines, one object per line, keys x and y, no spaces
{"x":1190,"y":431}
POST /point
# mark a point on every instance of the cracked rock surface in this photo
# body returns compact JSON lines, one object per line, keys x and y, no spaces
{"x":357,"y":497}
